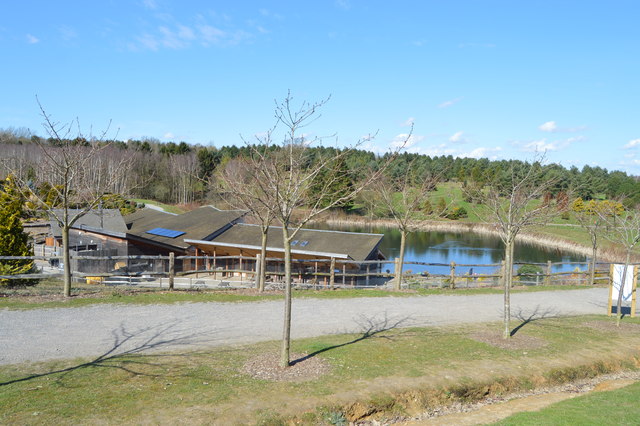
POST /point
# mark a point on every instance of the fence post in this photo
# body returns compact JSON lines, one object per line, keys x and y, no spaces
{"x":548,"y":277}
{"x":367,"y":278}
{"x":172,"y":269}
{"x":452,"y":277}
{"x":332,"y":276}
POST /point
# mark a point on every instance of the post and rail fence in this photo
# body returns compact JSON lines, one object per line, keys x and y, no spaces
{"x":241,"y":272}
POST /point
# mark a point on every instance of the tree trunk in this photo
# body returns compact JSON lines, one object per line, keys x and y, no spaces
{"x":403,"y":241}
{"x":592,"y":265}
{"x":66,"y":259}
{"x":286,"y":331}
{"x":627,"y":260}
{"x":263,"y":261}
{"x":508,"y":280}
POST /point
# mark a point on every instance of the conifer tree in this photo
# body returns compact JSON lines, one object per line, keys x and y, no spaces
{"x":13,"y":240}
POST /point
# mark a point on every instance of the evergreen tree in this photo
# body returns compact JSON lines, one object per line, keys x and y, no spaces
{"x":13,"y":240}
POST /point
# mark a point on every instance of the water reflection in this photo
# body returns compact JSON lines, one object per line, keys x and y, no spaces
{"x":464,"y":249}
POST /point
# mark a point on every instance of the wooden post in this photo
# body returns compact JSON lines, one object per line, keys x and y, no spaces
{"x":610,"y":303}
{"x":344,"y":270}
{"x":452,"y":276}
{"x":367,"y":278}
{"x":634,"y":290}
{"x":332,"y":275}
{"x":215,"y":274}
{"x":547,"y":278}
{"x":197,"y":263}
{"x":172,"y":269}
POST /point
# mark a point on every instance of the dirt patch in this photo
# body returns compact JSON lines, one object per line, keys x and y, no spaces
{"x":516,"y":342}
{"x":302,"y":368}
{"x":610,"y":326}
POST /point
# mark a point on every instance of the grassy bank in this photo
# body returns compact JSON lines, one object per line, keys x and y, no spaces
{"x":381,"y":373}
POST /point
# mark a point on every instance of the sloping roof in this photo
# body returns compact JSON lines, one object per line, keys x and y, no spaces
{"x":101,"y":221}
{"x":348,"y":245}
{"x":199,"y":224}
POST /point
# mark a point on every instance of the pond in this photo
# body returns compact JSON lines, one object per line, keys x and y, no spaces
{"x":462,"y":248}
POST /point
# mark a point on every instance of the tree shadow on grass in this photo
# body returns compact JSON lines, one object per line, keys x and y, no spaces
{"x":123,"y":352}
{"x":369,"y":327}
{"x":536,"y":315}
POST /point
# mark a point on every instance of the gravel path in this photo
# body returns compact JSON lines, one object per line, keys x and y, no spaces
{"x":104,"y":330}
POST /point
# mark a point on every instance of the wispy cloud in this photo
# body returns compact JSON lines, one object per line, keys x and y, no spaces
{"x":549,"y":126}
{"x":408,"y":122}
{"x":483,"y":152}
{"x":169,"y":135}
{"x":632,"y":144}
{"x":543,"y":145}
{"x":457,"y":137}
{"x":406,"y":140}
{"x":150,"y":4}
{"x":343,"y":4}
{"x":212,"y":29}
{"x":67,"y":32}
{"x":447,"y":104}
{"x":31,"y":39}
{"x":552,"y":127}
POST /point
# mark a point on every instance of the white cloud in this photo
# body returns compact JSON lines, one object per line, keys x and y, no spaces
{"x":457,"y":138}
{"x":169,"y":135}
{"x":408,"y":122}
{"x":632,"y":143}
{"x":552,"y":127}
{"x":540,"y":146}
{"x":483,"y":152}
{"x":447,"y":104}
{"x":549,"y":126}
{"x":406,"y":140}
{"x":32,"y":39}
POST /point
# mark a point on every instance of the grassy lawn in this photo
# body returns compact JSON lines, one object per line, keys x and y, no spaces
{"x":618,"y":407}
{"x":378,"y":369}
{"x":48,"y":295}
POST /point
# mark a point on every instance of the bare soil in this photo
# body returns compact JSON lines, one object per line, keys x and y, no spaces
{"x":267,"y":367}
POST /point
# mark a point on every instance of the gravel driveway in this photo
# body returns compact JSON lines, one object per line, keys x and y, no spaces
{"x":103,"y":330}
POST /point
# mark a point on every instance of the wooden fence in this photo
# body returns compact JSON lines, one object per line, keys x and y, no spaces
{"x":241,"y":271}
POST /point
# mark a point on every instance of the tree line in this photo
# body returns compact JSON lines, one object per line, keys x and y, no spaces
{"x":181,"y":173}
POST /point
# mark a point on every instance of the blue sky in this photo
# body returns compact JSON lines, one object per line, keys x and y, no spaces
{"x":496,"y":79}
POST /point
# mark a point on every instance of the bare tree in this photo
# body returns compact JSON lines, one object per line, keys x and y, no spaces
{"x":75,"y":171}
{"x":623,"y":227}
{"x":237,"y":181}
{"x":512,"y":202}
{"x":589,"y":218}
{"x":288,"y":174}
{"x":404,"y":200}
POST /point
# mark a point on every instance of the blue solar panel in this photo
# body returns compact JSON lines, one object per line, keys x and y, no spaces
{"x":162,"y":232}
{"x":303,"y":243}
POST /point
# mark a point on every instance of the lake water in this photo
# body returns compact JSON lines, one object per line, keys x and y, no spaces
{"x":464,"y":248}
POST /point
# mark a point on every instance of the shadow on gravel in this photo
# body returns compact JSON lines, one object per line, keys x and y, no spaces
{"x":126,"y":344}
{"x":536,"y":315}
{"x":369,"y":327}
